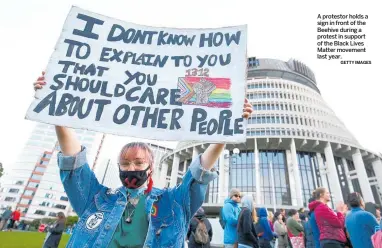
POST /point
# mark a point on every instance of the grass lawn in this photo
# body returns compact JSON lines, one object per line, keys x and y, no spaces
{"x":26,"y":239}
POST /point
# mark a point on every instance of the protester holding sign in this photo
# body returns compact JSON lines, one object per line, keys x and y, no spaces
{"x":122,"y":78}
{"x":136,"y":214}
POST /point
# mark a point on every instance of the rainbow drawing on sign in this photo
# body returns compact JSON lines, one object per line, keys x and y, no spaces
{"x":205,"y":91}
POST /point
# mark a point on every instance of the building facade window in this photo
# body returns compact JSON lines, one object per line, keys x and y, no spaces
{"x":19,"y":182}
{"x":212,"y":195}
{"x":49,"y":195}
{"x":44,"y":204}
{"x":14,"y":191}
{"x":52,"y":214}
{"x":40,"y":212}
{"x":369,"y":170}
{"x":376,"y":194}
{"x":64,"y":198}
{"x":308,"y":167}
{"x":60,"y":206}
{"x":274,"y":178}
{"x":342,"y":177}
{"x":356,"y":186}
{"x":242,"y":171}
{"x":351,"y":166}
{"x":10,"y":199}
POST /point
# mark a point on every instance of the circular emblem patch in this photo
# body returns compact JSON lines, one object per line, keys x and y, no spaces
{"x":154,"y":210}
{"x":94,"y":221}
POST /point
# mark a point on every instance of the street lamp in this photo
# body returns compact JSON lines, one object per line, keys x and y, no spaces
{"x":236,"y":151}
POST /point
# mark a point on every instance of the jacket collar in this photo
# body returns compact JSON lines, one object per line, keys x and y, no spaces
{"x":356,"y":209}
{"x":155,"y":192}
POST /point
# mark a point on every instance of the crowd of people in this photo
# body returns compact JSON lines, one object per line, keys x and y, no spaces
{"x":10,"y":219}
{"x":354,"y":224}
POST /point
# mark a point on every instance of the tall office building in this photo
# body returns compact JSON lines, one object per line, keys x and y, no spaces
{"x":33,"y":184}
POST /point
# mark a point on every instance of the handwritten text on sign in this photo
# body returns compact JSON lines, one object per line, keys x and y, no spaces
{"x":160,"y":83}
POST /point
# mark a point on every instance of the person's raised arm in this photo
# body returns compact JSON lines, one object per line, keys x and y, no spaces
{"x":70,"y":146}
{"x":78,"y":179}
{"x":66,"y":137}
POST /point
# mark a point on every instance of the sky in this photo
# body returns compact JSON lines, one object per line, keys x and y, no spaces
{"x":276,"y":29}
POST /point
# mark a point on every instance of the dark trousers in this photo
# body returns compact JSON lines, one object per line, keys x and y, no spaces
{"x":11,"y":224}
{"x":265,"y":243}
{"x":331,"y":244}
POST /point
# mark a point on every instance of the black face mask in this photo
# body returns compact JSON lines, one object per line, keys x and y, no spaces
{"x":133,"y":179}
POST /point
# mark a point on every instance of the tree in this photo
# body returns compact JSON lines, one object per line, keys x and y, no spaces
{"x":48,"y":221}
{"x":35,"y":223}
{"x":71,"y":220}
{"x":1,"y":169}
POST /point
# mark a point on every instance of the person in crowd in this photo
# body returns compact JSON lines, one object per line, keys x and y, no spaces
{"x":301,"y":213}
{"x":302,"y":218}
{"x":271,"y":219}
{"x":231,"y":211}
{"x":313,"y":222}
{"x":200,"y":232}
{"x":374,"y":209}
{"x":5,"y":218}
{"x":53,"y":237}
{"x":281,"y":230}
{"x":21,"y":225}
{"x":295,"y":229}
{"x":255,"y":218}
{"x":267,"y":236}
{"x":15,"y":217}
{"x":330,"y":223}
{"x":378,"y":212}
{"x":359,"y":223}
{"x":308,"y":232}
{"x":136,"y":214}
{"x":294,"y":223}
{"x":246,"y":234}
{"x":283,"y":214}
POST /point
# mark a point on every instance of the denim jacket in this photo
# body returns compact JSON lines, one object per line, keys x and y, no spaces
{"x":100,"y":208}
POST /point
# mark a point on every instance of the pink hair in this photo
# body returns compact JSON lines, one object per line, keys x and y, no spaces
{"x":137,"y":147}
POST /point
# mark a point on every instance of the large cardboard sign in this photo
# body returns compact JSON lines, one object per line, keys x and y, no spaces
{"x":121,"y":78}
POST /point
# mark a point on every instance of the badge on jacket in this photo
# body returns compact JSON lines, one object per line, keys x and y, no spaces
{"x":94,"y":221}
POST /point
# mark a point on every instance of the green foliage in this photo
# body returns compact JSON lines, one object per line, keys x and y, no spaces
{"x":48,"y":221}
{"x":71,"y":220}
{"x":35,"y":224}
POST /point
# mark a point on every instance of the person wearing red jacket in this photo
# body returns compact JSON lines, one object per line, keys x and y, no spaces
{"x":331,"y":224}
{"x":15,"y":217}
